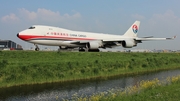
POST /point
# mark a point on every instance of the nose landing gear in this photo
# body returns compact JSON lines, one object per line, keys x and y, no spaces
{"x":37,"y":48}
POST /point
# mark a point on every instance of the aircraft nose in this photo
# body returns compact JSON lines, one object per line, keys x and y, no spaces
{"x":17,"y":34}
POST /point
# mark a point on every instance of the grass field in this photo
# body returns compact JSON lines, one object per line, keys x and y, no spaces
{"x":30,"y":67}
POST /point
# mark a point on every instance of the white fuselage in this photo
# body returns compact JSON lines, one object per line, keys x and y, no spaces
{"x":54,"y":36}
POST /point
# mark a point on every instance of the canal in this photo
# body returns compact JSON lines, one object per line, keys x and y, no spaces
{"x":60,"y":91}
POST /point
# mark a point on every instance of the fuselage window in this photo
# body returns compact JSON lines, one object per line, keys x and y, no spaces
{"x":31,"y":27}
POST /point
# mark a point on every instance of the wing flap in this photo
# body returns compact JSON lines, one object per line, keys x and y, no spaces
{"x":82,"y":41}
{"x":113,"y":40}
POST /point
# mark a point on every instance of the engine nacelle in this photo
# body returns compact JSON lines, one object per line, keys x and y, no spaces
{"x":94,"y":45}
{"x":129,"y":43}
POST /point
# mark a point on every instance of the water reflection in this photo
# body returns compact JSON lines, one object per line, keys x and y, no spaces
{"x":73,"y":89}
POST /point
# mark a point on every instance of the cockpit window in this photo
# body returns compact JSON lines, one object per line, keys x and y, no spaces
{"x":31,"y":27}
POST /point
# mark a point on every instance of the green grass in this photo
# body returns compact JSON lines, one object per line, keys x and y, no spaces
{"x":170,"y":92}
{"x":29,"y":67}
{"x":162,"y":93}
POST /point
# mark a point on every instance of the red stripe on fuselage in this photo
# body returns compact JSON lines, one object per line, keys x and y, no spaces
{"x":31,"y":37}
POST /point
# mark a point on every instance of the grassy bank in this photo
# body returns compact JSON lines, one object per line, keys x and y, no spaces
{"x":29,"y":67}
{"x":161,"y":93}
{"x":153,"y":90}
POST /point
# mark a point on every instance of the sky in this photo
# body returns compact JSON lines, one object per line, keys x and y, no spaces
{"x":159,"y":18}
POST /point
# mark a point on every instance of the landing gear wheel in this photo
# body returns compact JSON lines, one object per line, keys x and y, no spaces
{"x":93,"y":50}
{"x":36,"y":49}
{"x":81,"y":50}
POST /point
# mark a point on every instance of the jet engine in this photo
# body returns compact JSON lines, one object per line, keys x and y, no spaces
{"x":129,"y":43}
{"x":94,"y":45}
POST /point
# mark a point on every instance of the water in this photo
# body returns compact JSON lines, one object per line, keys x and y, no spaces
{"x":61,"y":91}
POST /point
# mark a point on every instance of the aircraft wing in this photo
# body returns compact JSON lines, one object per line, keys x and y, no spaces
{"x":117,"y":42}
{"x":151,"y":39}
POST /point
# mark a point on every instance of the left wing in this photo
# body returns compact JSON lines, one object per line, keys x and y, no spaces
{"x":109,"y":43}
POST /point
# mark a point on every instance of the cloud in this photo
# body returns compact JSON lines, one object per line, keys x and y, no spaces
{"x":40,"y":15}
{"x":10,"y":18}
{"x":43,"y":15}
{"x":48,"y":15}
{"x":168,"y":17}
{"x":28,"y":15}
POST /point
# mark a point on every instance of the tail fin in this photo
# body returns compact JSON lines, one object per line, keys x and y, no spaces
{"x":133,"y":30}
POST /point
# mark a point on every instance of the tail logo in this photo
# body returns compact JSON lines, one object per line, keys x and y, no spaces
{"x":135,"y":28}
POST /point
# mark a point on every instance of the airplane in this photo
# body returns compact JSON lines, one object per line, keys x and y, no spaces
{"x":85,"y":41}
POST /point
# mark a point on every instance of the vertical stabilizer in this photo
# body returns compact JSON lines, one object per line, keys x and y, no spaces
{"x":133,"y":30}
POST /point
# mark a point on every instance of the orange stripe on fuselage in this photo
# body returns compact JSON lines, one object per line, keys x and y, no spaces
{"x":31,"y":37}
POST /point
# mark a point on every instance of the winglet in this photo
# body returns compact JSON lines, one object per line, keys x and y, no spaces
{"x":171,"y":38}
{"x":174,"y":37}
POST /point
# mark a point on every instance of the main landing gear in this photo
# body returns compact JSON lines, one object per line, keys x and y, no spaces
{"x":93,"y":50}
{"x":81,"y":49}
{"x":63,"y":48}
{"x":88,"y":50}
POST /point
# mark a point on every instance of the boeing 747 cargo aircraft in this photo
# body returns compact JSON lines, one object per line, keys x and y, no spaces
{"x":85,"y":41}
